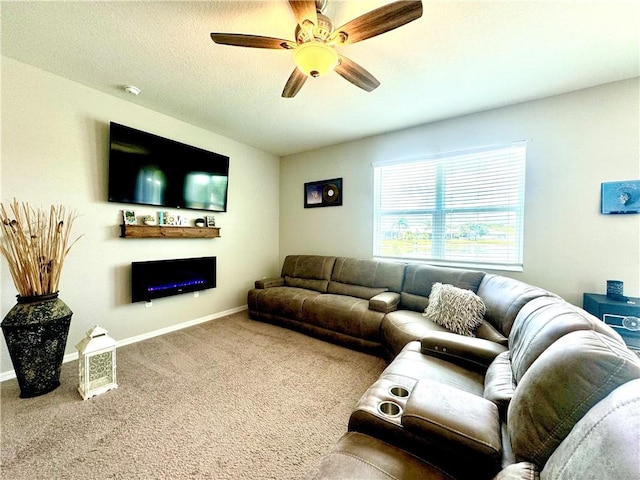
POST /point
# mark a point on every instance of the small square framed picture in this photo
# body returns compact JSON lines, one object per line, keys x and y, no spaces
{"x":211,"y":220}
{"x":620,"y":197}
{"x":129,"y":217}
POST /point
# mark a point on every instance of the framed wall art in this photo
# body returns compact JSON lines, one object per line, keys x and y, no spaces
{"x":620,"y":197}
{"x":323,"y":193}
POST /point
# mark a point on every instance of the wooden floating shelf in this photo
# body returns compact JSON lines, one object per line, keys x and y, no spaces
{"x":156,"y":231}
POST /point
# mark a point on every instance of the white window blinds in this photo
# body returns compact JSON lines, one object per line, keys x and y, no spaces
{"x":461,"y":208}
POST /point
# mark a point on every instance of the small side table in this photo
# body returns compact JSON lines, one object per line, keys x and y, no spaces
{"x":622,"y":316}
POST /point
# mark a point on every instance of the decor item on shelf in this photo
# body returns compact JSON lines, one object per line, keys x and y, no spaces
{"x":169,"y":219}
{"x":149,"y":220}
{"x":211,"y":220}
{"x":615,"y":290}
{"x":325,"y":193}
{"x":314,"y":50}
{"x":620,"y":197}
{"x":96,"y":363}
{"x":129,"y":217}
{"x":199,"y":222}
{"x":35,"y":243}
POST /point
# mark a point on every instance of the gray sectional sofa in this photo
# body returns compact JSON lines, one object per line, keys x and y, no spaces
{"x":542,"y":389}
{"x":377,"y":306}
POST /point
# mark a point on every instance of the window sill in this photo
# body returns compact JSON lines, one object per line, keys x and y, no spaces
{"x":443,"y":263}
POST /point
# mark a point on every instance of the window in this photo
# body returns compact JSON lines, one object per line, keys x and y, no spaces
{"x":461,"y":208}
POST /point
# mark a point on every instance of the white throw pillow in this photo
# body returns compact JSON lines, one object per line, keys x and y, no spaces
{"x":459,"y":310}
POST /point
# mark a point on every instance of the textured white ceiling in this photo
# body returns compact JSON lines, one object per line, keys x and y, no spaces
{"x":458,"y":58}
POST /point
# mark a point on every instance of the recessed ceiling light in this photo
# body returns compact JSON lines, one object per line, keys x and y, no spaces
{"x":133,"y":90}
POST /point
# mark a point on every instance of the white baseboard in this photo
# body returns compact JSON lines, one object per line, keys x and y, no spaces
{"x":69,"y":357}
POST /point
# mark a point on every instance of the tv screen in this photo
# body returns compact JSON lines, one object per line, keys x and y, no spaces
{"x":146,"y":169}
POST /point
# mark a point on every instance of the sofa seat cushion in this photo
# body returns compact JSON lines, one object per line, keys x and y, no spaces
{"x":464,"y":422}
{"x":404,"y":326}
{"x":281,"y":301}
{"x":457,"y":309}
{"x":343,"y":314}
{"x":410,"y":363}
{"x":360,"y":456}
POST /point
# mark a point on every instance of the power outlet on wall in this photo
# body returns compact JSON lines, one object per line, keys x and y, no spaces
{"x":148,"y":304}
{"x":196,"y":294}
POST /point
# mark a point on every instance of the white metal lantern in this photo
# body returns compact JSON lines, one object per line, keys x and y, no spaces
{"x":96,"y":363}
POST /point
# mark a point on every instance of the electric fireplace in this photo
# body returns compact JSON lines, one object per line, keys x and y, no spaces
{"x":163,"y":278}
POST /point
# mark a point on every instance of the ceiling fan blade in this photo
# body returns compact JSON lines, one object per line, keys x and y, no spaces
{"x":253,"y":41}
{"x":351,"y":71}
{"x":294,"y":84}
{"x":304,"y":10}
{"x":381,"y":20}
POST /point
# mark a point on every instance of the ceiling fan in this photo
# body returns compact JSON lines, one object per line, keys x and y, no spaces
{"x":314,"y":48}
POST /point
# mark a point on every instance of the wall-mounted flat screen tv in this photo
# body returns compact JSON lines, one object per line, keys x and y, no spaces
{"x":147,"y":169}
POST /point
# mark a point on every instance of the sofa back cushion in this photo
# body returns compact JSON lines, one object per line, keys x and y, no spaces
{"x":562,"y":385}
{"x":339,"y":288}
{"x":540,"y":323}
{"x":308,"y":271}
{"x":605,"y":443}
{"x":504,"y":297}
{"x":418,"y":280}
{"x":499,"y":385}
{"x":365,"y":278}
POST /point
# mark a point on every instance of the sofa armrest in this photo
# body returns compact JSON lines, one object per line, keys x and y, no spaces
{"x":472,"y":352}
{"x":269,"y":282}
{"x":384,"y":302}
{"x":459,"y":421}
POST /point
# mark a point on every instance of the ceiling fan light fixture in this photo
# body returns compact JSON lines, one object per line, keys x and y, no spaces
{"x":315,"y":58}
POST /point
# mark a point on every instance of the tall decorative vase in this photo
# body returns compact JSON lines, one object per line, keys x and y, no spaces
{"x":36,"y":331}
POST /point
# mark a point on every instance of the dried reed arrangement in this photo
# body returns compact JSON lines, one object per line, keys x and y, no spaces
{"x":35,"y":243}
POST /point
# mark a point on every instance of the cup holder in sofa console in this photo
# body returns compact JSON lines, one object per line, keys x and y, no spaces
{"x":389,"y":409}
{"x":398,"y":391}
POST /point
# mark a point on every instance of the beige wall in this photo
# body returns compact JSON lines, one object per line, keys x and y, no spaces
{"x":575,"y":142}
{"x":55,"y":150}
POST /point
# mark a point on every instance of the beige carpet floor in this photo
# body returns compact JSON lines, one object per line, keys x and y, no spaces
{"x":228,"y":399}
